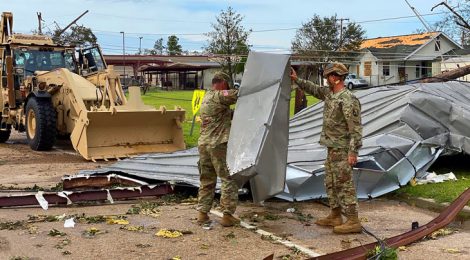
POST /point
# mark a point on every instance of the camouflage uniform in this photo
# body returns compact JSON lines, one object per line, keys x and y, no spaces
{"x":212,"y":144}
{"x":342,"y":135}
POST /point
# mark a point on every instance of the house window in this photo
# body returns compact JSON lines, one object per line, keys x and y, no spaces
{"x":425,"y":69}
{"x":437,"y":45}
{"x":418,"y":70}
{"x":386,"y":69}
{"x":367,"y":68}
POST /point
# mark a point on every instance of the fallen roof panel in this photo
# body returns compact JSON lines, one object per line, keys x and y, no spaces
{"x":260,"y":126}
{"x":406,"y":128}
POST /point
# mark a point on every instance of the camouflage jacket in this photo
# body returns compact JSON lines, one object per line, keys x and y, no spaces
{"x":216,"y":116}
{"x":341,"y":117}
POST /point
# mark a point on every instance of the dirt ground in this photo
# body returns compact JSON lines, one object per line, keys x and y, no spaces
{"x":33,"y":233}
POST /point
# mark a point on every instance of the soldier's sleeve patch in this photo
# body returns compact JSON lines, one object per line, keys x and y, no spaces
{"x":355,"y":112}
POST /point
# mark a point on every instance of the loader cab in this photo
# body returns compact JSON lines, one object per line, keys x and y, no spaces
{"x":28,"y":60}
{"x":91,"y":60}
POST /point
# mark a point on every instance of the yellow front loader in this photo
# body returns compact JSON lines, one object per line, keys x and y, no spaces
{"x":49,"y":90}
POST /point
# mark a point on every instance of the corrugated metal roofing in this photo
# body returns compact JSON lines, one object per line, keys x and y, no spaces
{"x":405,"y":129}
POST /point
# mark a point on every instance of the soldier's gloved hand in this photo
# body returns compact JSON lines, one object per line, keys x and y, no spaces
{"x":293,"y":77}
{"x":352,"y":159}
{"x":293,"y":74}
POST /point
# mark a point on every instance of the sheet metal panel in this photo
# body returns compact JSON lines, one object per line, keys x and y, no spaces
{"x":259,"y":134}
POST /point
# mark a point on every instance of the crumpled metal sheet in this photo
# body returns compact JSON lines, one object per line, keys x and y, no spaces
{"x":406,"y":128}
{"x":179,"y":167}
{"x":259,"y":133}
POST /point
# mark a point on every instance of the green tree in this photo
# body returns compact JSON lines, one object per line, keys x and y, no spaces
{"x":173,"y":47}
{"x":158,"y":48}
{"x":323,"y":39}
{"x":78,"y":35}
{"x":228,"y":40}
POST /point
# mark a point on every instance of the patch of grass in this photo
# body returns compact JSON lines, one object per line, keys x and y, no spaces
{"x":311,"y":100}
{"x":182,"y":98}
{"x":171,"y":99}
{"x":447,"y":191}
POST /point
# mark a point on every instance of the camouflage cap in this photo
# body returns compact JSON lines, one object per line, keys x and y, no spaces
{"x":337,"y":68}
{"x":222,"y":76}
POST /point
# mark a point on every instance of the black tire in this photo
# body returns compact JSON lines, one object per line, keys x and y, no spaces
{"x":350,"y":86}
{"x":41,"y":129}
{"x":4,"y":135}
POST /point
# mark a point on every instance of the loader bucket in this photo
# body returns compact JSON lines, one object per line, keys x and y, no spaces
{"x":104,"y":134}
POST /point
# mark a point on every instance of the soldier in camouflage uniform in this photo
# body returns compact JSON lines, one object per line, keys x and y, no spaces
{"x":216,"y":117}
{"x":342,"y":135}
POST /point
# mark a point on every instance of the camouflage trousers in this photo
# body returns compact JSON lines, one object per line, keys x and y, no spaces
{"x":338,"y":181}
{"x":212,"y":163}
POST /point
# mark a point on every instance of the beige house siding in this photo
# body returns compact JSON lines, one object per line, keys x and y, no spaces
{"x":424,"y":61}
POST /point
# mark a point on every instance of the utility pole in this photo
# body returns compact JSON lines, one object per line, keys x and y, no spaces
{"x":124,"y":56}
{"x":39,"y":22}
{"x":341,"y":31}
{"x":140,"y":45}
{"x":462,"y":38}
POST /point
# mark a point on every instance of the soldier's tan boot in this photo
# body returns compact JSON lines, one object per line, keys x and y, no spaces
{"x":333,"y":220}
{"x":202,"y":218}
{"x":228,"y":220}
{"x":352,"y":225}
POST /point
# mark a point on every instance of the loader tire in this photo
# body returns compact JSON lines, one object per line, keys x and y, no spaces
{"x":41,"y":129}
{"x":4,"y":135}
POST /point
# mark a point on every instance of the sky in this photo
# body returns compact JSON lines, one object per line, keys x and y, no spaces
{"x":274,"y":23}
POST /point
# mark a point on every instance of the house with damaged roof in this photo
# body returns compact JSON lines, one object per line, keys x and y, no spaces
{"x":403,"y":58}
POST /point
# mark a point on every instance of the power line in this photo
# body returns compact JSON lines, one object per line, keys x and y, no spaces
{"x":208,"y":22}
{"x":271,"y":30}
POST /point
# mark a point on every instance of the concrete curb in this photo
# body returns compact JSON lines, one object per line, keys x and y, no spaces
{"x":432,"y":205}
